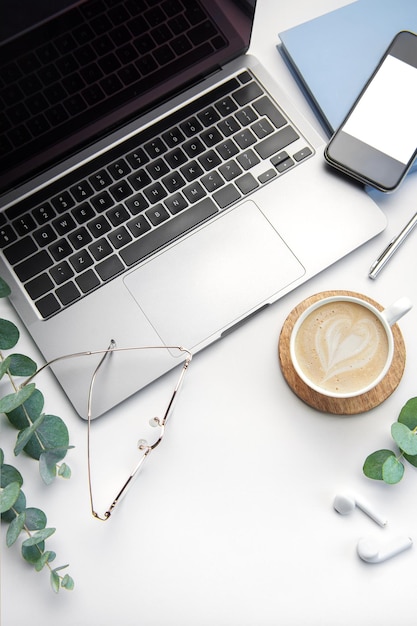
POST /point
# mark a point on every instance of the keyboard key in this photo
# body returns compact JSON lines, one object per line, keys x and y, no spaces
{"x":35,"y":264}
{"x":157,"y":169}
{"x":157,"y":215}
{"x":264,"y":106}
{"x":7,"y":236}
{"x":99,"y":226}
{"x":24,"y":224}
{"x":109,"y":268}
{"x":119,"y":237}
{"x":262,"y":128}
{"x":48,"y":305}
{"x":119,"y":169}
{"x":209,"y":160}
{"x":230,"y":170}
{"x":226,"y":196}
{"x":139,"y":226}
{"x":137,"y":159}
{"x":245,"y":138}
{"x":194,"y":192}
{"x":246,"y":116}
{"x":118,"y":215}
{"x":87,"y":281}
{"x":80,"y":238}
{"x":248,"y":159}
{"x":20,"y":250}
{"x":247,"y":93}
{"x":176,"y":203}
{"x":100,"y":249}
{"x":276,"y":142}
{"x":39,"y":286}
{"x":137,"y":204}
{"x":68,"y":293}
{"x":81,"y":261}
{"x":168,"y":231}
{"x":63,"y":202}
{"x":121,"y":191}
{"x":155,"y":193}
{"x":302,"y":154}
{"x":173,"y":137}
{"x":64,"y":224}
{"x":247,"y":183}
{"x":83,"y":212}
{"x":61,"y":273}
{"x":100,"y":180}
{"x":44,"y":236}
{"x":60,"y":249}
{"x":139,"y":180}
{"x":102,"y":201}
{"x":82,"y":191}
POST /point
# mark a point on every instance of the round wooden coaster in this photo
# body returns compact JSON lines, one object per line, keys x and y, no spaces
{"x":339,"y":406}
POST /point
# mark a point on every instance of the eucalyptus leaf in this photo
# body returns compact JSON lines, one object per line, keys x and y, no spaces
{"x":4,"y":289}
{"x":405,"y":438}
{"x":67,"y":582}
{"x":13,"y":400}
{"x":10,"y":474}
{"x":52,"y":434}
{"x":64,"y":471}
{"x":21,"y":365}
{"x":25,"y":435}
{"x":373,"y":465}
{"x":15,"y":528}
{"x":31,"y":554}
{"x":8,"y":496}
{"x":411,"y":459}
{"x":47,"y":467}
{"x":408,"y":414}
{"x":18,"y":507}
{"x":54,"y":581}
{"x":1,"y":457}
{"x":9,"y":335}
{"x":38,"y":537}
{"x":4,"y":366}
{"x":28,"y":412}
{"x":44,"y":559}
{"x":392,"y":470}
{"x":35,"y":519}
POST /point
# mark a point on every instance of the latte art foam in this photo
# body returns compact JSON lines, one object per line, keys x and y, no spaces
{"x":342,"y":347}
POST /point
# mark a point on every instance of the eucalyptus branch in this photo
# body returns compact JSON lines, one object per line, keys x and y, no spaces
{"x":43,"y":437}
{"x":31,"y":521}
{"x":387,"y":465}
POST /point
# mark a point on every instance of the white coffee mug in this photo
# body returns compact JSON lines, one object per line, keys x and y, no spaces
{"x":342,"y":346}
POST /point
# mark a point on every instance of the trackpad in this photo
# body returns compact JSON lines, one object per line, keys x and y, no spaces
{"x":214,"y":277}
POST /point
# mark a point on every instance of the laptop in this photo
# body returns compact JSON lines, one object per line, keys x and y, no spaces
{"x":157,"y":186}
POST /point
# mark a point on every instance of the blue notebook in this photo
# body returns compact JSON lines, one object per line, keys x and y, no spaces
{"x":334,"y":55}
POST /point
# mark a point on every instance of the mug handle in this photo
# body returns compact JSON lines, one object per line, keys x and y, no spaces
{"x":396,"y":310}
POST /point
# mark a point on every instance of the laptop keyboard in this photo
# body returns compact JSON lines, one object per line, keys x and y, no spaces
{"x":101,"y":219}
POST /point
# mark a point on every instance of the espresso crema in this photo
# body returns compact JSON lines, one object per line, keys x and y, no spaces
{"x":342,"y":347}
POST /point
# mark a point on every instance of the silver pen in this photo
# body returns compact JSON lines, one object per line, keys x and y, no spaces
{"x":391,"y":248}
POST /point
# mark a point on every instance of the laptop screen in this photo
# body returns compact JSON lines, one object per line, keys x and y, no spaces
{"x":74,"y":72}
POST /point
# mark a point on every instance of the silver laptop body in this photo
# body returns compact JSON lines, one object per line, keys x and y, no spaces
{"x":260,"y":231}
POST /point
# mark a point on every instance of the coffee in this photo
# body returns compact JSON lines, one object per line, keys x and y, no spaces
{"x":342,"y":347}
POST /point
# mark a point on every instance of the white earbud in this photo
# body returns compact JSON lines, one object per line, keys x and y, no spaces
{"x":346,"y":504}
{"x":370,"y":551}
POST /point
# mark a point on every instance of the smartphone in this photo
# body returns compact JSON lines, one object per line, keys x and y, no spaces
{"x":377,"y":142}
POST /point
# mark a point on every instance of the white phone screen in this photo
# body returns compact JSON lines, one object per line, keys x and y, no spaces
{"x":386,"y":115}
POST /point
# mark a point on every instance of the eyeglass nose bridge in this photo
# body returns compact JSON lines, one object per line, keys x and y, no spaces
{"x":143,"y":444}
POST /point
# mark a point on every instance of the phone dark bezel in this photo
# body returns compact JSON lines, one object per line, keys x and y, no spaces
{"x":358,"y":159}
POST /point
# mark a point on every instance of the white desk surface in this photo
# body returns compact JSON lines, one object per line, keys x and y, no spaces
{"x":231,"y":522}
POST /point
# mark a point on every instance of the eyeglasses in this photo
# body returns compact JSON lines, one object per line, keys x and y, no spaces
{"x":157,"y":422}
